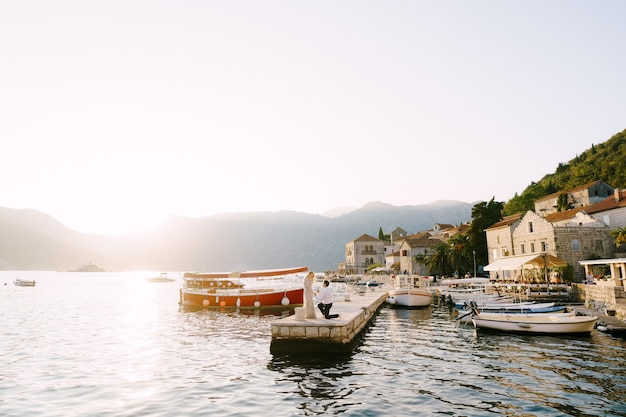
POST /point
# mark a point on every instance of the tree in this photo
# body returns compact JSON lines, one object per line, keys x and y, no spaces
{"x":620,"y":236}
{"x":484,"y":215}
{"x":438,"y":261}
{"x":461,"y":255}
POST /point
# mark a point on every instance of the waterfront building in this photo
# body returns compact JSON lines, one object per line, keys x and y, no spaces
{"x":363,"y":252}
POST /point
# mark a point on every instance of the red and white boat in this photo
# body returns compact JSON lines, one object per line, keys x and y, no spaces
{"x":409,"y":292}
{"x":249,"y":289}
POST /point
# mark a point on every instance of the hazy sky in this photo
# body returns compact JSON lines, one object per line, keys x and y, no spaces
{"x":115,"y":114}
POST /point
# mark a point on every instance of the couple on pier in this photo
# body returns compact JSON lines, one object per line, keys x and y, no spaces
{"x":324,"y":298}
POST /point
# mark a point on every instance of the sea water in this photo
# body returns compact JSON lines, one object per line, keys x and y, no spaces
{"x":113,"y":344}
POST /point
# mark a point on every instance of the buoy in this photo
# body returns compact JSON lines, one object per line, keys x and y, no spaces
{"x":205,"y":302}
{"x":257,"y":303}
{"x":285,"y":301}
{"x":602,"y":328}
{"x":238,"y":303}
{"x":222,"y":303}
{"x":391,"y":300}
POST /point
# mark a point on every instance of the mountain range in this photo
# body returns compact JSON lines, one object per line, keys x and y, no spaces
{"x":32,"y":240}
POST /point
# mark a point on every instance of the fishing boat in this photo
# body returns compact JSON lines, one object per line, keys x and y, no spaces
{"x":410,"y":297}
{"x":535,"y":323}
{"x":268,"y":288}
{"x":409,"y":292}
{"x":24,"y":282}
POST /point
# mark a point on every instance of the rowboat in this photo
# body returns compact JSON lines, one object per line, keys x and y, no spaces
{"x":409,"y":293}
{"x":24,"y":282}
{"x":250,"y":289}
{"x":535,"y":323}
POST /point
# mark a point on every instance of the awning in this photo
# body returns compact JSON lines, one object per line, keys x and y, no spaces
{"x":512,"y":263}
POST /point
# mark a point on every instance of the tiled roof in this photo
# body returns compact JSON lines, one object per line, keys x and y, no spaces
{"x":506,"y":221}
{"x":564,"y":215}
{"x":366,"y":237}
{"x":423,"y":242}
{"x":608,"y":203}
{"x":571,"y":190}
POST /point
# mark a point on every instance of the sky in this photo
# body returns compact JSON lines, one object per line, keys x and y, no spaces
{"x":115,"y":115}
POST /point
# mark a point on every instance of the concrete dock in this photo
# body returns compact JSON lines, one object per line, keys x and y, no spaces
{"x":328,"y":336}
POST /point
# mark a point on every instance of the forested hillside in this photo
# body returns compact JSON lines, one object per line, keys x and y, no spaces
{"x":605,"y":161}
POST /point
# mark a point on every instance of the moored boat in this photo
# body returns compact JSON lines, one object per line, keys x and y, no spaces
{"x":24,"y":282}
{"x":409,"y":293}
{"x":251,"y":289}
{"x":535,"y":323}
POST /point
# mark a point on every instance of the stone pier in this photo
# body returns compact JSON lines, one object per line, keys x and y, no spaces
{"x":295,"y":335}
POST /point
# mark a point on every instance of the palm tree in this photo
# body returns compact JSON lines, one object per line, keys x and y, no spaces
{"x":460,"y":253}
{"x":620,"y":236}
{"x":438,"y":261}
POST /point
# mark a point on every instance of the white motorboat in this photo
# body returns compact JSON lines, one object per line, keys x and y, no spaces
{"x":409,"y":293}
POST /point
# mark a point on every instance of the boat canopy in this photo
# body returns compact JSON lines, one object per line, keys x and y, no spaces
{"x":247,"y":274}
{"x":512,"y":263}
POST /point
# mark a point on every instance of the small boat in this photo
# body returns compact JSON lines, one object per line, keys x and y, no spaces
{"x":162,"y":277}
{"x":250,"y":289}
{"x":370,"y":284}
{"x":24,"y":282}
{"x":409,"y":293}
{"x":535,"y":323}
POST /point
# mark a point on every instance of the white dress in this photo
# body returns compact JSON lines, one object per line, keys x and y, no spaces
{"x":309,"y":305}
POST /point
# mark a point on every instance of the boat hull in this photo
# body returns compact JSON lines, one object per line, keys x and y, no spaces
{"x":550,"y":324}
{"x":243,"y":299}
{"x":409,"y":298}
{"x":24,"y":283}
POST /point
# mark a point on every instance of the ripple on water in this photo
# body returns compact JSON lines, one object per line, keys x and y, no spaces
{"x":112,"y":345}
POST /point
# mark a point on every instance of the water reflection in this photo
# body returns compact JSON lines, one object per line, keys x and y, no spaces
{"x":318,"y":381}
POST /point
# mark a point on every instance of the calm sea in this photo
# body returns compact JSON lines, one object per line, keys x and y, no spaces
{"x":113,"y":344}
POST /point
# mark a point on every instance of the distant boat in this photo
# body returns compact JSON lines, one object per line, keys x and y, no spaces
{"x":24,"y":282}
{"x":162,"y":277}
{"x":249,"y":289}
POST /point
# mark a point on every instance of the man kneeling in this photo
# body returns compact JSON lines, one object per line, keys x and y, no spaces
{"x":325,"y":298}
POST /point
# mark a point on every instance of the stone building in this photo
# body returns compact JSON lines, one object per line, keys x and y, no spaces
{"x":363,"y":252}
{"x":500,"y":237}
{"x":571,"y":235}
{"x":582,"y":196}
{"x":415,"y":245}
{"x":611,"y":211}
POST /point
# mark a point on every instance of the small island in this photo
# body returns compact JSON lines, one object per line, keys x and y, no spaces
{"x":90,"y":267}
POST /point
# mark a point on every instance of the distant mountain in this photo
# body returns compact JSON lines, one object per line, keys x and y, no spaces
{"x":32,"y":240}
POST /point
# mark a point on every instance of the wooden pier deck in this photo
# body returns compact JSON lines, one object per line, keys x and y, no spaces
{"x":328,"y":336}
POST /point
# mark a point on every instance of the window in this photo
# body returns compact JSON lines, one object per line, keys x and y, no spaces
{"x":530,"y":227}
{"x":405,"y":253}
{"x":532,"y":247}
{"x":575,"y":244}
{"x":598,"y":245}
{"x":544,"y":247}
{"x":523,"y":248}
